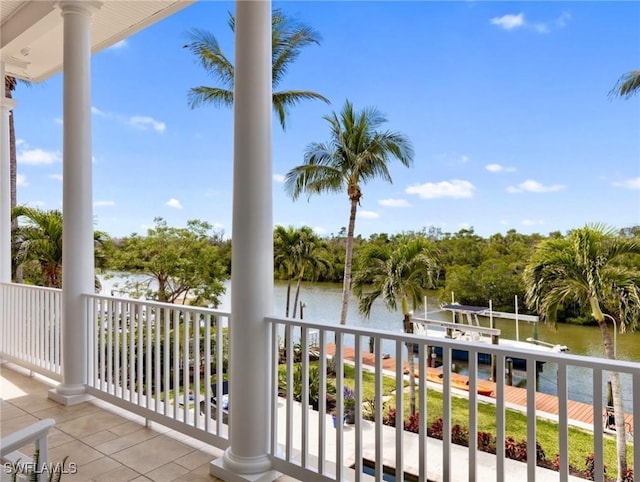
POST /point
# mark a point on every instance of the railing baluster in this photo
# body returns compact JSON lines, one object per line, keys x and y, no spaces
{"x":157,"y":328}
{"x":109,"y":352}
{"x":598,"y":427}
{"x":148,"y":376}
{"x":473,"y":415}
{"x":196,"y":368}
{"x":176,"y":360}
{"x":531,"y":420}
{"x":358,"y":406}
{"x":322,"y":402}
{"x":636,"y":421}
{"x":563,"y":421}
{"x":378,"y":408}
{"x":133,"y":327}
{"x":400,"y":405}
{"x":446,"y":413}
{"x":423,"y":353}
{"x":288,"y":339}
{"x":339,"y":364}
{"x":500,"y":418}
{"x":275,"y":386}
{"x":304,"y":432}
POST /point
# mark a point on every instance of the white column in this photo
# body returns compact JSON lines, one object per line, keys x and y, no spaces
{"x":252,"y":273}
{"x":6,"y":105}
{"x":77,"y":198}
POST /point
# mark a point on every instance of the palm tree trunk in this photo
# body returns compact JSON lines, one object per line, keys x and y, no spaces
{"x":295,"y":299}
{"x":408,"y":328}
{"x":13,"y":174}
{"x":618,"y":407}
{"x":346,"y":283}
{"x":286,"y":311}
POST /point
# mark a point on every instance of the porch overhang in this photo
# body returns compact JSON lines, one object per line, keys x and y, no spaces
{"x":31,"y":31}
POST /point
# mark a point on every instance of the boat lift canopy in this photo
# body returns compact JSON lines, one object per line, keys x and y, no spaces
{"x":488,"y":312}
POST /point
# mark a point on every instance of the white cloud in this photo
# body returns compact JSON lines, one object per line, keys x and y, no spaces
{"x":119,"y":45}
{"x":144,"y":122}
{"x":369,"y":214}
{"x":96,"y":111}
{"x":58,"y":120}
{"x":56,"y":177}
{"x":633,"y":183}
{"x":464,"y":159}
{"x":531,"y":185}
{"x":21,"y":180}
{"x":455,"y":188}
{"x":174,"y":203}
{"x":499,"y":168}
{"x":103,"y":203}
{"x":279,"y":178}
{"x":20,"y":142}
{"x":509,"y":21}
{"x":38,"y":157}
{"x":530,"y":222}
{"x":394,"y":203}
{"x":319,"y":230}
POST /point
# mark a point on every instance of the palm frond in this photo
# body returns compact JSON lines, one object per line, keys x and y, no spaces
{"x":627,"y":86}
{"x":198,"y":96}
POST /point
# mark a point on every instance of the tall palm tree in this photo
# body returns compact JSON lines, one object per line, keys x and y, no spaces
{"x":627,"y":85}
{"x":288,"y":39}
{"x":402,"y":273}
{"x":40,"y":240}
{"x":356,"y":153}
{"x":10,"y":84}
{"x":588,"y":268}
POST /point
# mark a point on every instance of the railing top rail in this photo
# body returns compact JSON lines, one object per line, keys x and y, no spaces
{"x":533,"y":355}
{"x":153,"y":303}
{"x":23,"y":286}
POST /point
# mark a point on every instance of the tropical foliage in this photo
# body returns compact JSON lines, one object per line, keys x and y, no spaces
{"x":180,"y":264}
{"x":628,"y":85}
{"x":289,"y":38}
{"x":403,"y":273}
{"x":357,"y":152}
{"x":38,"y":243}
{"x":590,"y":269}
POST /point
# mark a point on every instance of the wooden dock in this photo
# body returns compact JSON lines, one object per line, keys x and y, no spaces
{"x":577,"y":411}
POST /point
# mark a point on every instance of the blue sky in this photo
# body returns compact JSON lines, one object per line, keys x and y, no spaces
{"x":506,"y":105}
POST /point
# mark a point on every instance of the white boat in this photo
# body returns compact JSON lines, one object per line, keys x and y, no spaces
{"x":466,"y":327}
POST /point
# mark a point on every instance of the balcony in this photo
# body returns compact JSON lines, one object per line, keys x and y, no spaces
{"x":152,"y":368}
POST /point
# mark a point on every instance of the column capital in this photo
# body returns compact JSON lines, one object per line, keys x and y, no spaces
{"x":7,"y":103}
{"x":78,"y":6}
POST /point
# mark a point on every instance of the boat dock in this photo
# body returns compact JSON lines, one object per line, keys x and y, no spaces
{"x":579,"y":413}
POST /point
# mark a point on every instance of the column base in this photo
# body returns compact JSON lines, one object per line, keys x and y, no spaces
{"x":236,"y":469}
{"x":68,"y":397}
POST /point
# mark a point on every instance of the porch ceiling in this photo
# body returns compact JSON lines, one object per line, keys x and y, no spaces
{"x":31,"y":31}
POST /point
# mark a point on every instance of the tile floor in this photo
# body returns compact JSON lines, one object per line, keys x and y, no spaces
{"x":106,"y":444}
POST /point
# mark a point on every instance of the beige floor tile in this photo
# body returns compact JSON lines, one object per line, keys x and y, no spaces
{"x":34,"y":402}
{"x":151,"y":454}
{"x":167,"y":472}
{"x":99,"y":438}
{"x":121,"y":474}
{"x":91,"y":470}
{"x":14,"y":424}
{"x":9,"y":411}
{"x":142,"y":478}
{"x":78,"y":452}
{"x":126,"y":428}
{"x":121,"y":443}
{"x":63,"y":414}
{"x":195,"y":477}
{"x":194,"y":460}
{"x":56,"y":437}
{"x":89,"y":424}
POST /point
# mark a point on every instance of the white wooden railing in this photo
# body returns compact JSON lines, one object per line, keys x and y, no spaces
{"x":305,"y":445}
{"x":145,"y":356}
{"x":30,"y":323}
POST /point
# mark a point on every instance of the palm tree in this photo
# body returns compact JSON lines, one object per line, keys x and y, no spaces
{"x":627,"y":85}
{"x":285,"y":250}
{"x":356,"y":153}
{"x":40,"y":240}
{"x":310,"y":260}
{"x":288,"y":39}
{"x":588,"y":268}
{"x":391,"y":274}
